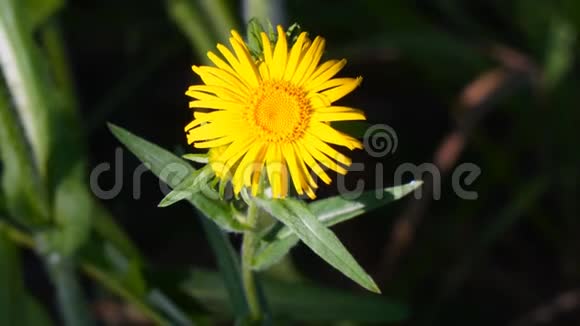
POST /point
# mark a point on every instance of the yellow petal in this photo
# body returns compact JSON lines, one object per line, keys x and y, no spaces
{"x":220,"y":63}
{"x":324,"y":72}
{"x":332,"y":83}
{"x":330,"y":135}
{"x":311,"y":162}
{"x":278,"y":65}
{"x":295,"y":56}
{"x":245,"y":168}
{"x":219,"y":91}
{"x":338,"y":116}
{"x":295,"y":174}
{"x":323,"y":147}
{"x":308,"y":59}
{"x":301,"y":162}
{"x":320,"y":157}
{"x":217,"y":104}
{"x":236,"y":149}
{"x":223,"y":77}
{"x":249,"y":71}
{"x":336,"y":93}
{"x":215,"y":142}
{"x":264,"y":71}
{"x":266,"y":48}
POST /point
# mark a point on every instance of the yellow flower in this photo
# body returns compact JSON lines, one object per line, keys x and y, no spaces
{"x":272,"y":115}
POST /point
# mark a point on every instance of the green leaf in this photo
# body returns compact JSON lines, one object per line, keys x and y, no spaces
{"x":334,"y":210}
{"x":25,"y":199}
{"x":271,"y":253}
{"x":299,"y":302}
{"x":41,"y":10}
{"x":190,"y":187}
{"x":278,"y":240}
{"x":173,"y":170}
{"x":253,"y":31}
{"x":26,"y":80}
{"x":73,"y":209}
{"x":293,"y":32}
{"x":296,"y":215}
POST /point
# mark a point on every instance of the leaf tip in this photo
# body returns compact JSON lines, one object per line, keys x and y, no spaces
{"x":416,"y":183}
{"x":162,"y":204}
{"x":112,"y":127}
{"x":372,"y":286}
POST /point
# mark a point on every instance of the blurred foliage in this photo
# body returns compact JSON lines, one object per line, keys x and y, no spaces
{"x":500,"y":74}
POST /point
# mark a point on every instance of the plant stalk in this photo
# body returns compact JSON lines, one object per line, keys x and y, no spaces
{"x":249,"y":246}
{"x":71,"y":300}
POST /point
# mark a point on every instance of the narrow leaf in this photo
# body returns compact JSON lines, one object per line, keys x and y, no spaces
{"x":25,"y":199}
{"x":183,"y":190}
{"x":279,"y":239}
{"x":296,"y":215}
{"x":173,"y":170}
{"x":23,"y":74}
{"x":41,"y":10}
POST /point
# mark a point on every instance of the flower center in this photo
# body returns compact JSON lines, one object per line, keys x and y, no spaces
{"x":279,"y":111}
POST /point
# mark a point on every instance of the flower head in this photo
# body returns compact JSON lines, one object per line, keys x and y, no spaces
{"x":272,"y":115}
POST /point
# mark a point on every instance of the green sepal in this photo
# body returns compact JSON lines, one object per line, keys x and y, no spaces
{"x":197,"y":158}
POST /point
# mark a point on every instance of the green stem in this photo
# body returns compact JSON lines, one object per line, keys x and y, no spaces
{"x":71,"y":301}
{"x":249,"y":246}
